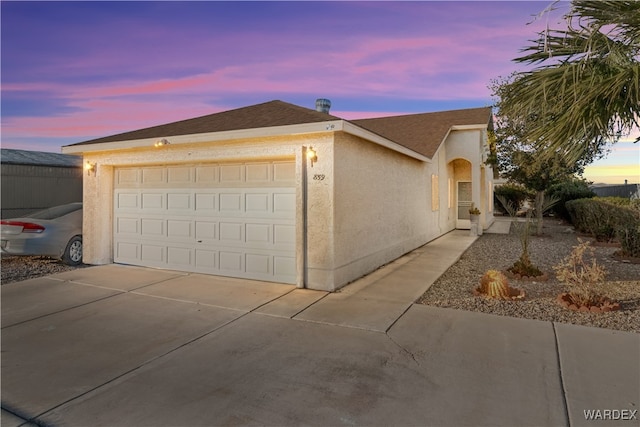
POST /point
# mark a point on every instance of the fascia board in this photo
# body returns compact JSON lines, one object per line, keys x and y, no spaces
{"x":469,"y":127}
{"x":300,"y":129}
{"x":377,"y":139}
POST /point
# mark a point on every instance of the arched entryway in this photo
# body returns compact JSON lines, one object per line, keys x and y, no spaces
{"x":462,"y":190}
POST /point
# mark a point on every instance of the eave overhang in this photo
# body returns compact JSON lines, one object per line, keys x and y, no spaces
{"x":243,"y":134}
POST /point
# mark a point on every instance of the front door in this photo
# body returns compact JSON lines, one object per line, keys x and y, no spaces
{"x":463,"y":219}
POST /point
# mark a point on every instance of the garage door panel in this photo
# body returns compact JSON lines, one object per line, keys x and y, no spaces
{"x":179,"y":175}
{"x":152,"y":201}
{"x":284,"y":266}
{"x":179,"y":201}
{"x":152,"y":228}
{"x":127,"y":177}
{"x":180,"y":229}
{"x":153,"y":176}
{"x":206,"y":260}
{"x":231,"y":232}
{"x":127,"y":252}
{"x":127,"y":201}
{"x":258,"y":172}
{"x":257,"y":204}
{"x":258,"y":235}
{"x":126,"y":225}
{"x":230,"y":203}
{"x":231,"y":262}
{"x":179,"y":256}
{"x":206,"y":174}
{"x":284,"y":204}
{"x":284,"y":234}
{"x":206,"y":203}
{"x":215,"y":219}
{"x":206,"y":230}
{"x":231,"y":174}
{"x":284,"y":172}
{"x":258,"y":264}
{"x":153,"y":253}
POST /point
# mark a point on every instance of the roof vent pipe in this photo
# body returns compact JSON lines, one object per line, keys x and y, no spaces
{"x":323,"y":105}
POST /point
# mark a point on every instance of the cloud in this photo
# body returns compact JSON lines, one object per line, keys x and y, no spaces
{"x":149,"y":72}
{"x":99,"y":118}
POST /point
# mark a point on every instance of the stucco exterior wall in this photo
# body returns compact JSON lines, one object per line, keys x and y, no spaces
{"x":358,"y":207}
{"x":381,"y":206}
{"x":98,"y":191}
{"x":442,"y":220}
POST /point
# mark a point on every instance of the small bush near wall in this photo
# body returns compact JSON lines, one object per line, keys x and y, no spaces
{"x":604,"y":220}
{"x":569,"y":190}
{"x":514,"y":194}
{"x":629,"y":237}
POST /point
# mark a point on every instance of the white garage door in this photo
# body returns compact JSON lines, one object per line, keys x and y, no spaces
{"x":231,"y":219}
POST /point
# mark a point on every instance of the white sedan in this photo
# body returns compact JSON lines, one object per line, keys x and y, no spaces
{"x":55,"y":232}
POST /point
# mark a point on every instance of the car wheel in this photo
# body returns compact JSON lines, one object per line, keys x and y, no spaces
{"x":73,"y":252}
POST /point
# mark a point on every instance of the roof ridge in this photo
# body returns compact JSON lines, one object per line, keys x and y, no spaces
{"x":266,"y":114}
{"x":423,"y":114}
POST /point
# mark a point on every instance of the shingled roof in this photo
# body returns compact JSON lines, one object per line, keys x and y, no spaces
{"x":268,"y":114}
{"x":423,"y":133}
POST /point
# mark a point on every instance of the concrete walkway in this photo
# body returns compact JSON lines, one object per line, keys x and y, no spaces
{"x":376,"y":301}
{"x":127,"y":346}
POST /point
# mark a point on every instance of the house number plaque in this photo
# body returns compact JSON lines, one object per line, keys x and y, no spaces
{"x":317,"y":177}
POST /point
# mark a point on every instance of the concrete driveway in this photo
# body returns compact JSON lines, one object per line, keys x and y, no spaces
{"x":128,"y":346}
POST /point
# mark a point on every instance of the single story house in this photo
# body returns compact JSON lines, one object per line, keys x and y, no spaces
{"x":36,"y":180}
{"x":283,"y":193}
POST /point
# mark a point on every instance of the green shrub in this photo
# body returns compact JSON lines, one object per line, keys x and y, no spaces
{"x":601,"y":219}
{"x":618,"y":201}
{"x":513,"y":193}
{"x":566,"y":191}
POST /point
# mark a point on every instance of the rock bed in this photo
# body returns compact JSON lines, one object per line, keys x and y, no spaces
{"x":454,"y":289}
{"x":17,"y":268}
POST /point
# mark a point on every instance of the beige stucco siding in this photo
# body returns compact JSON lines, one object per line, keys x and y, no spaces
{"x":98,"y":186}
{"x":444,"y":220}
{"x":320,"y":223}
{"x":380,"y":209}
{"x":359,"y":206}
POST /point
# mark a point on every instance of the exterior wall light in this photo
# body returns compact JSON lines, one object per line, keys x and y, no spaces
{"x":90,"y":167}
{"x":161,"y":143}
{"x":312,"y":155}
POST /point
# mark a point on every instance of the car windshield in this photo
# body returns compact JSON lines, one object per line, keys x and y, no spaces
{"x":56,"y":211}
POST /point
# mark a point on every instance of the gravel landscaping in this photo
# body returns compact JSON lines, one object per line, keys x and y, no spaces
{"x":17,"y":268}
{"x":454,"y":289}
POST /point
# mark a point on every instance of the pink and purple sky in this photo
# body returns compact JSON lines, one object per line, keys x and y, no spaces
{"x":73,"y":71}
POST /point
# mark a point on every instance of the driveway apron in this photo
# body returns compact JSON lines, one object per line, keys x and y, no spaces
{"x":128,"y":346}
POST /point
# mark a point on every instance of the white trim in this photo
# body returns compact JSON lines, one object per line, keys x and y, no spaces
{"x":206,"y":137}
{"x":300,"y":129}
{"x":469,"y":127}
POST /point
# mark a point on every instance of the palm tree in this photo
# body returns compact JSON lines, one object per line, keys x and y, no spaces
{"x":584,"y":94}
